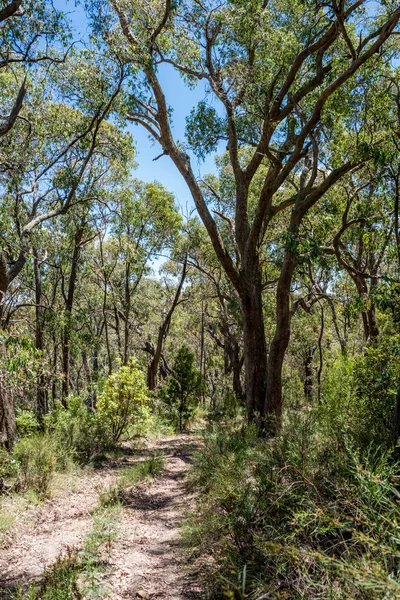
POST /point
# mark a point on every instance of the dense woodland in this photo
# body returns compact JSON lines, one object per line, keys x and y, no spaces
{"x":264,"y":316}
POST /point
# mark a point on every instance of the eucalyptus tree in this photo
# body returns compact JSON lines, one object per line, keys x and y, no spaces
{"x":143,"y":221}
{"x":290,"y":81}
{"x":361,"y":243}
{"x":47,"y":160}
{"x":221,"y":316}
{"x":156,"y":351}
{"x":31,"y":32}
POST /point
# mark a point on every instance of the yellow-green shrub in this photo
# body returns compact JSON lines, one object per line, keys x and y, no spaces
{"x":124,"y":400}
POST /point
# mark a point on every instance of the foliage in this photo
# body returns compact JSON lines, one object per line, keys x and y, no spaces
{"x":124,"y":400}
{"x":376,"y":384}
{"x":182,"y":391}
{"x":287,"y":519}
{"x":8,"y":465}
{"x":37,"y":457}
{"x":79,"y":432}
{"x":27,"y":422}
{"x":359,"y":394}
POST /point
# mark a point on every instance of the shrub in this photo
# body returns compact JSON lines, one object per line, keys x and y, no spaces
{"x":182,"y":391}
{"x":8,"y":465}
{"x":376,"y":381}
{"x":124,"y":400}
{"x":283,"y":519}
{"x":359,"y":395}
{"x":337,"y":413}
{"x":36,"y":456}
{"x":79,"y":432}
{"x":27,"y":423}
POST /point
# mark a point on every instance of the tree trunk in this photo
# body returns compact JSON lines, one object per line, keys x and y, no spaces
{"x":395,"y":429}
{"x":237,"y":364}
{"x":255,"y":349}
{"x":308,"y":375}
{"x":8,"y":426}
{"x":279,"y":343}
{"x":41,"y":397}
{"x":371,"y":330}
{"x":127,"y":302}
{"x":152,"y":371}
{"x":69,"y":301}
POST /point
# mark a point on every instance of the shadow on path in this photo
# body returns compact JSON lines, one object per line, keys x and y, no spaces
{"x":146,"y":561}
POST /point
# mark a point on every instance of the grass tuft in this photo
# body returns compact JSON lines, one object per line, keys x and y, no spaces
{"x":130,"y":476}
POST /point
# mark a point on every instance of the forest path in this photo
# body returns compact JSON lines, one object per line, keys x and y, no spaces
{"x":145,"y":560}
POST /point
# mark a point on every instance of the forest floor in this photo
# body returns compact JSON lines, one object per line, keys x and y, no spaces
{"x":144,"y":560}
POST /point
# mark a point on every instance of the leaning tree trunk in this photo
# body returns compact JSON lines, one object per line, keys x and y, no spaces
{"x":152,"y":371}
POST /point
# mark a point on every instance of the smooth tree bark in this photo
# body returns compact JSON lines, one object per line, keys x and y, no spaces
{"x":282,"y":102}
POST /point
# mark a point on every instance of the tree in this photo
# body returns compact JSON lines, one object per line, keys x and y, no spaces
{"x":143,"y":221}
{"x":285,"y":75}
{"x":156,"y":352}
{"x":46,"y":165}
{"x":182,"y":391}
{"x":29,"y":32}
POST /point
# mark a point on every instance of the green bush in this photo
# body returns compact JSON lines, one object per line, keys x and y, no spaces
{"x":359,"y":395}
{"x":124,"y":400}
{"x":9,"y":466}
{"x":182,"y":391}
{"x":285,"y":519}
{"x":376,"y":381}
{"x":37,"y":457}
{"x":79,"y":432}
{"x":337,"y":413}
{"x":27,"y":423}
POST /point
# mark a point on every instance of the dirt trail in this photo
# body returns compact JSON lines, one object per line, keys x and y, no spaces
{"x":145,"y":561}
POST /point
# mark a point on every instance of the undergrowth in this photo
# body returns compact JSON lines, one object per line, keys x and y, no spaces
{"x":295,"y":517}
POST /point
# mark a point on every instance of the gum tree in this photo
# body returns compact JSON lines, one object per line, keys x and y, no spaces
{"x":46,"y":162}
{"x":285,"y":81}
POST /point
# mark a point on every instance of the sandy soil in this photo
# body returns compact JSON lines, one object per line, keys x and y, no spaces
{"x":146,"y":560}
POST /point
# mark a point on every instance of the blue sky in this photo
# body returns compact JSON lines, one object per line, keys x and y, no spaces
{"x":180,"y":98}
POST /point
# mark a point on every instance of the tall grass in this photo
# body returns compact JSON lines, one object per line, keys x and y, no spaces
{"x":291,"y":519}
